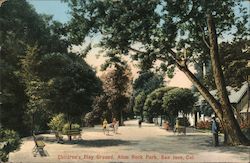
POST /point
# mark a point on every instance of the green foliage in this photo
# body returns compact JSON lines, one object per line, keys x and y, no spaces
{"x":234,"y":58}
{"x":116,"y":90}
{"x":12,"y":99}
{"x":144,"y":85}
{"x":157,"y":26}
{"x":35,"y":90}
{"x":205,"y":109}
{"x":147,"y":82}
{"x":10,"y":141}
{"x":99,"y":112}
{"x":72,"y":84}
{"x":139,"y":103}
{"x":154,"y":26}
{"x":57,"y":122}
{"x":178,"y":99}
{"x":153,"y":104}
{"x":25,"y":31}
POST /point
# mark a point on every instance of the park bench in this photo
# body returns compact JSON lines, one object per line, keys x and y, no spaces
{"x":39,"y":145}
{"x":74,"y":133}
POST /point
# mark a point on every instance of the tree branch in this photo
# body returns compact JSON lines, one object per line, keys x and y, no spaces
{"x":135,"y":50}
{"x":181,"y":64}
{"x":204,"y":38}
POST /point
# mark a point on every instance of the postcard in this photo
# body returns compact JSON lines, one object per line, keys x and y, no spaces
{"x":128,"y":81}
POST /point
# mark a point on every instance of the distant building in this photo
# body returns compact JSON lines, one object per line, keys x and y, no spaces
{"x":239,"y":98}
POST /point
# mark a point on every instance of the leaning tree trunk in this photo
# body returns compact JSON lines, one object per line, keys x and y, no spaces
{"x":223,"y":108}
{"x":230,"y":125}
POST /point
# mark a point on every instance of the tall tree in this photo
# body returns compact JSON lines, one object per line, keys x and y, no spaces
{"x":153,"y":106}
{"x":178,"y":100}
{"x":139,"y":101}
{"x":162,"y":30}
{"x":147,"y":82}
{"x":71,"y":85}
{"x":117,"y":87}
{"x":100,"y":111}
{"x":35,"y":90}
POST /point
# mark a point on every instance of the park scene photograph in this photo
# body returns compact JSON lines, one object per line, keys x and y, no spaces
{"x":124,"y":81}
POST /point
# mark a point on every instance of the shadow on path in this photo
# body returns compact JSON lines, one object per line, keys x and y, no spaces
{"x":173,"y":144}
{"x":43,"y":153}
{"x":100,"y":142}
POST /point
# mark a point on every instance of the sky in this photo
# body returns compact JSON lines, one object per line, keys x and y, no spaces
{"x":60,"y":12}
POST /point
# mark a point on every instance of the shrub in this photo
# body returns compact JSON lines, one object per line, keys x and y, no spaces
{"x":57,"y":122}
{"x":10,"y":141}
{"x":90,"y":119}
{"x":204,"y":125}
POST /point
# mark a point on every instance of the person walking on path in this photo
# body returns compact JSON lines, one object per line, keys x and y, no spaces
{"x":140,"y":122}
{"x":215,"y":131}
{"x":104,"y":125}
{"x":116,"y":126}
{"x":177,"y":125}
{"x":113,"y":124}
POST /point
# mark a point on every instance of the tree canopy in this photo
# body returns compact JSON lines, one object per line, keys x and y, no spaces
{"x":147,"y":82}
{"x":178,"y":100}
{"x":116,"y":83}
{"x":153,"y":104}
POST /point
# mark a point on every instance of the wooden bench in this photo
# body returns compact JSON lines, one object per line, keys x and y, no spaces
{"x":74,"y":133}
{"x":39,"y":145}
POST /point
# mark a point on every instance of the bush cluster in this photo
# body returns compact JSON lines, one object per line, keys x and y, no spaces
{"x":58,"y":123}
{"x":204,"y":125}
{"x":9,"y":141}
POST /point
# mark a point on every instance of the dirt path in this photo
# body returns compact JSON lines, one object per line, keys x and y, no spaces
{"x":133,"y":144}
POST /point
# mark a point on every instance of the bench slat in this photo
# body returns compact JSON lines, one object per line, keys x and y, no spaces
{"x":40,"y":144}
{"x":73,"y":132}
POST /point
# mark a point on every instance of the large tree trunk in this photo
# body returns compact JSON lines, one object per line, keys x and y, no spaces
{"x":230,"y":125}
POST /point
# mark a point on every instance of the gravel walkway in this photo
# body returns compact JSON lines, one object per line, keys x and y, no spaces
{"x":132,"y":144}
